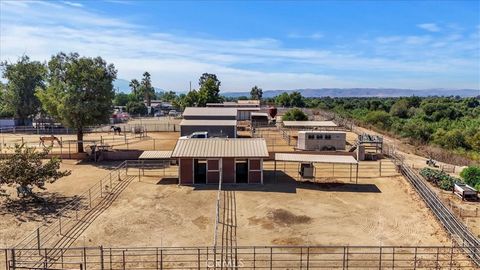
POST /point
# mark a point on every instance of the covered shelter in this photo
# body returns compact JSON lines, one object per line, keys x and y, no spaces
{"x":324,"y":125}
{"x":208,"y":161}
{"x":215,"y":128}
{"x":307,"y":162}
{"x":259,"y":119}
{"x":210,"y":113}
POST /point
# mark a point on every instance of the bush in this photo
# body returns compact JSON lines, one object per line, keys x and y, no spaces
{"x":136,"y":108}
{"x":471,"y":176}
{"x":439,"y":178}
{"x":294,"y":115}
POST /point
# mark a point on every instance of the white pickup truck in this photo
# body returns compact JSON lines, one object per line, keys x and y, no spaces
{"x":196,"y":135}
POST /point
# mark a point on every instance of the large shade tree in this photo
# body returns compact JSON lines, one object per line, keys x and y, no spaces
{"x":256,"y":93}
{"x":209,"y":91}
{"x":27,"y":168}
{"x":23,"y":77}
{"x":79,"y":91}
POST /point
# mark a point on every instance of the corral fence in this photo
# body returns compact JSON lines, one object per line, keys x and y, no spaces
{"x":251,"y":257}
{"x":148,"y":127}
{"x":64,"y":228}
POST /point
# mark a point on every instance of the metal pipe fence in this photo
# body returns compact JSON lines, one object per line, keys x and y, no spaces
{"x":247,"y":257}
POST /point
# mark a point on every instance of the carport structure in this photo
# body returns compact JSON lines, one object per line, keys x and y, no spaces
{"x":314,"y":158}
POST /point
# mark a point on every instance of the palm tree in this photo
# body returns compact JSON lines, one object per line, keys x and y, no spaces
{"x":134,"y":85}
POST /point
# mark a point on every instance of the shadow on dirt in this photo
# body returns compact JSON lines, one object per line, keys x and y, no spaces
{"x":40,"y":207}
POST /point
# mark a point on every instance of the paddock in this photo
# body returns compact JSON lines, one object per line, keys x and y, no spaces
{"x":306,"y":162}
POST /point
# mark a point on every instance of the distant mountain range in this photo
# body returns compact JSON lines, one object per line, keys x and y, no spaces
{"x":122,"y":86}
{"x":366,"y":92}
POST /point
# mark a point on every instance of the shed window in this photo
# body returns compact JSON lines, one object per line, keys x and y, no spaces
{"x":311,"y":137}
{"x":319,"y":137}
{"x":328,"y":137}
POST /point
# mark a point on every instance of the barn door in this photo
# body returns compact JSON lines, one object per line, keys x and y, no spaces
{"x":213,"y":171}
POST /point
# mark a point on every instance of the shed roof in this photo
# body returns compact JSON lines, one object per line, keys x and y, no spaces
{"x":322,"y":132}
{"x":156,"y":155}
{"x":315,"y":158}
{"x":259,"y":114}
{"x":210,"y":111}
{"x":309,"y":124}
{"x":221,"y":147}
{"x":188,"y":122}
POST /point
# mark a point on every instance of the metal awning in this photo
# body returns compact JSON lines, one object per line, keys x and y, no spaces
{"x":156,"y":155}
{"x":339,"y":159}
{"x":309,"y":124}
{"x":221,"y":147}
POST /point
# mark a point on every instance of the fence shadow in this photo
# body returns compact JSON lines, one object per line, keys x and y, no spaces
{"x":168,"y":181}
{"x":39,"y":208}
{"x":286,"y":184}
{"x":107,"y":165}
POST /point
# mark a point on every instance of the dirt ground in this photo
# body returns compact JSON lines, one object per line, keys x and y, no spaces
{"x":17,"y":220}
{"x":376,"y":211}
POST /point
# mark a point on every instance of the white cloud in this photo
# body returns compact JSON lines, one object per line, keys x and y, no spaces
{"x":175,"y":60}
{"x":73,"y":4}
{"x":313,"y":36}
{"x":431,"y":27}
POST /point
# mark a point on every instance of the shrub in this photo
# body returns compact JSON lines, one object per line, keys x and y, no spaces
{"x":439,"y":178}
{"x":294,"y":115}
{"x":471,"y":176}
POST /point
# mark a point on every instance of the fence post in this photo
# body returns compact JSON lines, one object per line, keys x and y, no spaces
{"x":69,"y":152}
{"x":308,"y":258}
{"x":13,"y":258}
{"x":101,"y":258}
{"x":84,"y":251}
{"x":161,"y":259}
{"x":380,"y":168}
{"x":380,"y":259}
{"x":271,"y":258}
{"x":415,"y":259}
{"x":60,"y":224}
{"x":123,"y":259}
{"x":38,"y":240}
{"x":436,"y":263}
{"x":198,"y":258}
{"x":393,"y":258}
{"x":451,"y":256}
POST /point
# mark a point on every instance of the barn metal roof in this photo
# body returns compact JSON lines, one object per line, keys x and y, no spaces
{"x":221,"y":147}
{"x":209,"y":111}
{"x":188,"y":122}
{"x":309,"y":124}
{"x":322,"y":132}
{"x":155,"y":155}
{"x":315,"y":158}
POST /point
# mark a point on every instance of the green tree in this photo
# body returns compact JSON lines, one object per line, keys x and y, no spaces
{"x":23,"y":77}
{"x":166,"y":96}
{"x":121,"y":99}
{"x":27,"y":168}
{"x":400,"y":108}
{"x":471,"y":176}
{"x":209,"y":91}
{"x":146,"y":90}
{"x":134,"y":86}
{"x":294,"y":115}
{"x":136,"y":108}
{"x":79,"y":91}
{"x":379,"y":119}
{"x":296,"y":99}
{"x":283,"y":99}
{"x":256,"y":93}
{"x":208,"y":76}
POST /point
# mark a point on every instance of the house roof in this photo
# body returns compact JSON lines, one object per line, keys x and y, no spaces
{"x":188,"y":122}
{"x":155,"y":155}
{"x":221,"y":147}
{"x":315,"y":158}
{"x":309,"y":124}
{"x":209,"y":111}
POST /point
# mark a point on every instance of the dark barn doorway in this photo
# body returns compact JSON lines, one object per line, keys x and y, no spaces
{"x":200,"y":171}
{"x":241,"y":171}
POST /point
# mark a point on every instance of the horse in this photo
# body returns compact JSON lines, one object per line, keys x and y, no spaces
{"x":51,"y":139}
{"x":116,"y":130}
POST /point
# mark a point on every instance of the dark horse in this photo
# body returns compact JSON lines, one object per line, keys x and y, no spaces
{"x":116,"y":130}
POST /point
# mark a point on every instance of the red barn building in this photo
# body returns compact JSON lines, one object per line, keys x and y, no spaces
{"x":232,"y":160}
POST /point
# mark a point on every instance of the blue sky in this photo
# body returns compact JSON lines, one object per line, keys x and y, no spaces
{"x":276,"y":45}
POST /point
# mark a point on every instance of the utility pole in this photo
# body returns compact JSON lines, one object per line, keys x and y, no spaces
{"x":190,"y":85}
